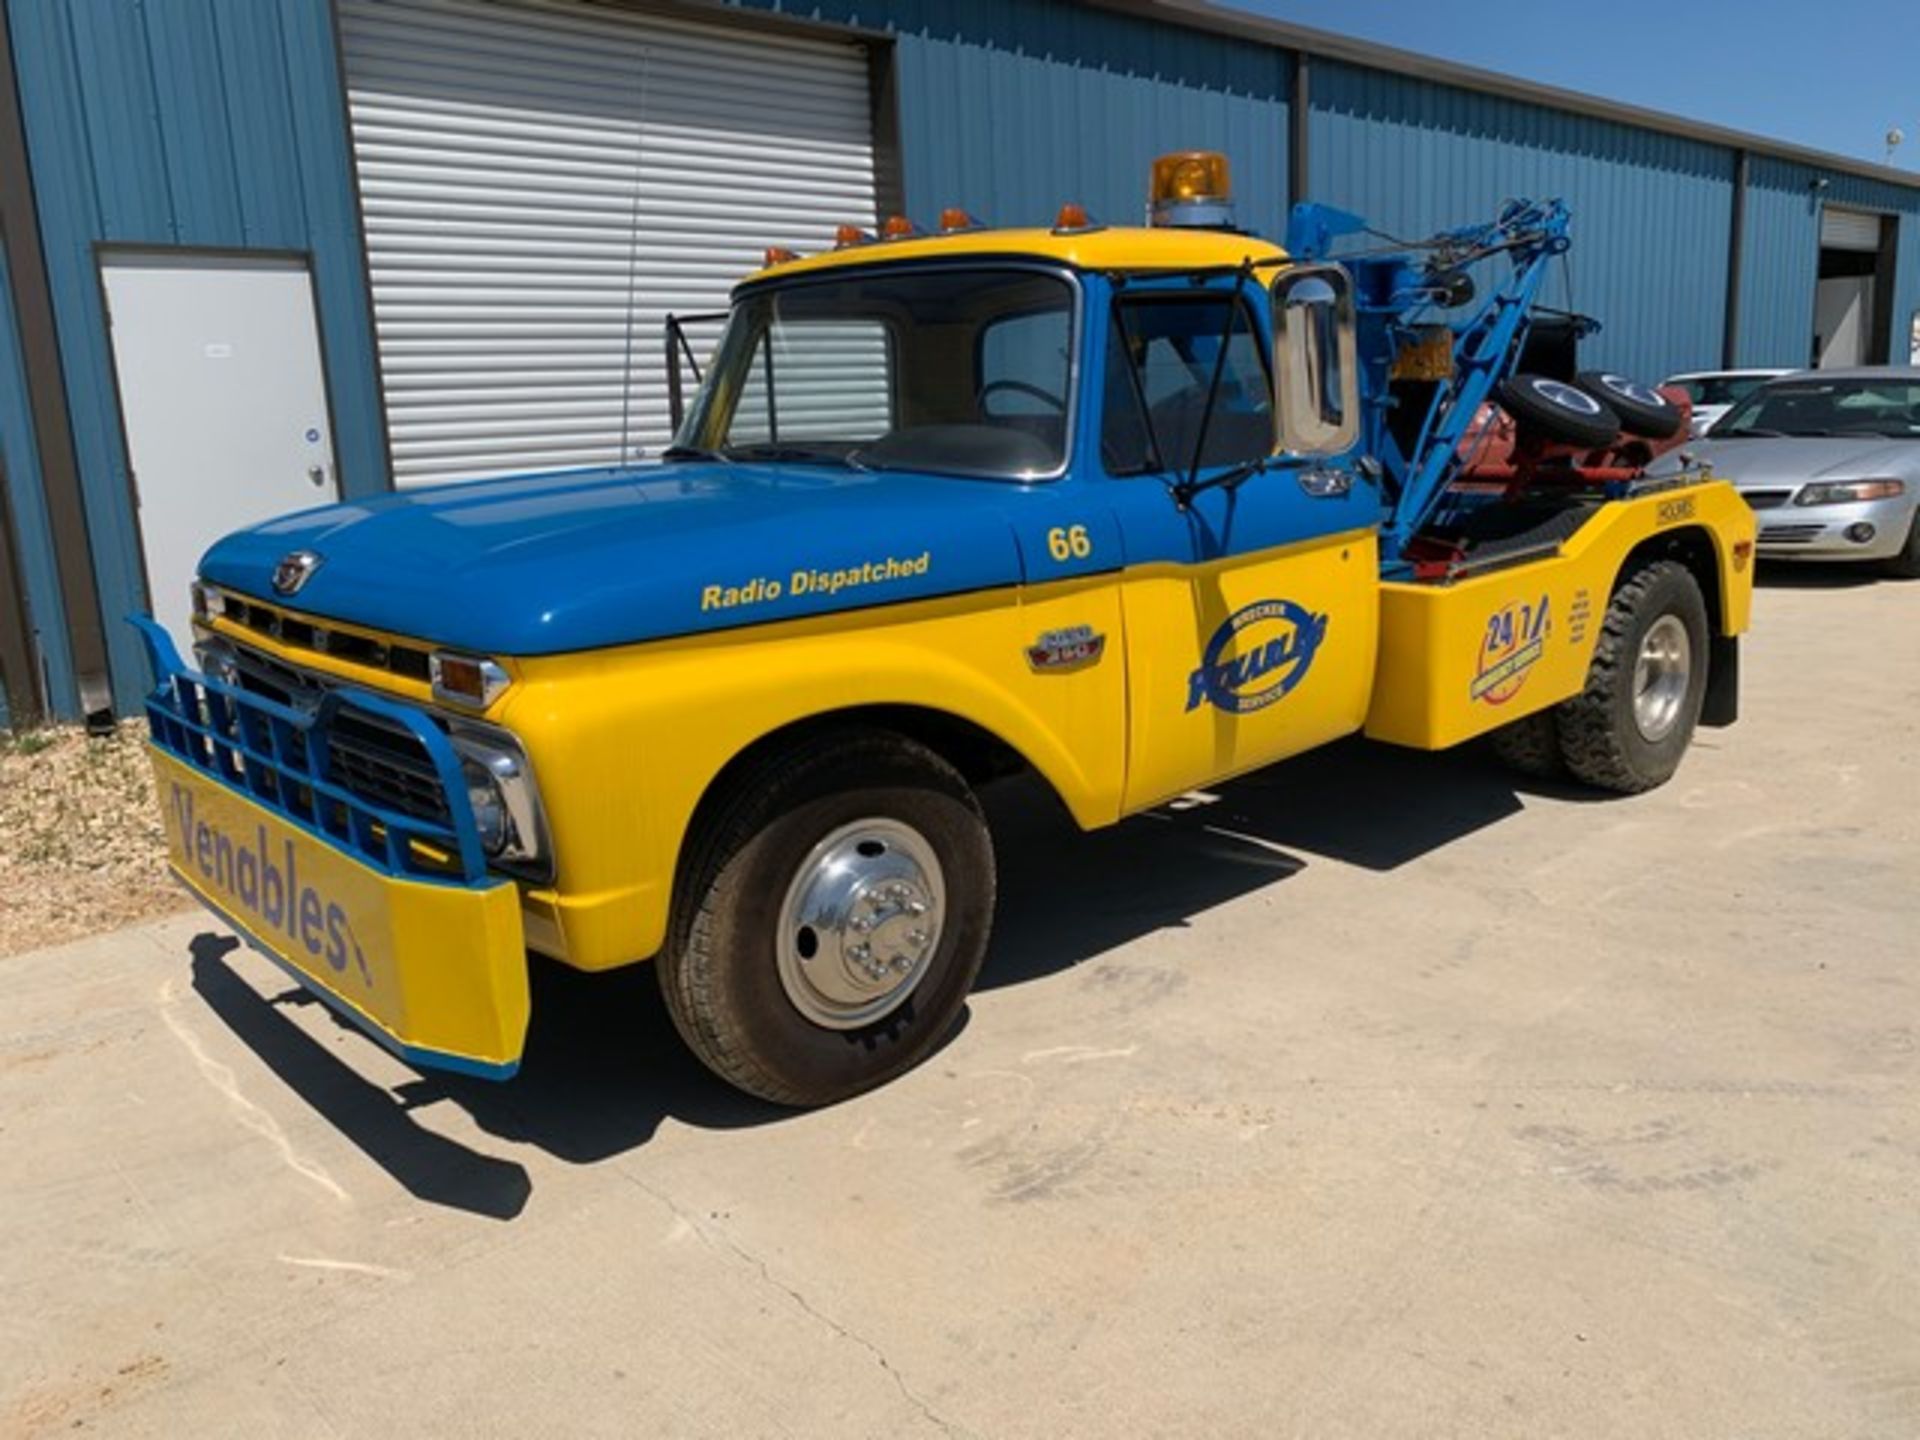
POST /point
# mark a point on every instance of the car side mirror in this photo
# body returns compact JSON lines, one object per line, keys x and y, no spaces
{"x":1316,"y":374}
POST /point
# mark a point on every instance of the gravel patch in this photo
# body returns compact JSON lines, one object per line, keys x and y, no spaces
{"x":81,"y":844}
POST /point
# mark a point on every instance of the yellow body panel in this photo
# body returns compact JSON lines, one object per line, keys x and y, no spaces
{"x":438,"y":971}
{"x":1179,"y":736}
{"x":1457,"y":660}
{"x":1107,"y":247}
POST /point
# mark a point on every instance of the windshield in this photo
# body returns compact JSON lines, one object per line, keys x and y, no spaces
{"x":1870,"y":406}
{"x":962,"y":371}
{"x":1721,"y":389}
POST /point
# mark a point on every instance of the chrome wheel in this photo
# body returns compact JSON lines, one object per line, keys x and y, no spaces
{"x":1660,"y":676}
{"x":860,"y":922}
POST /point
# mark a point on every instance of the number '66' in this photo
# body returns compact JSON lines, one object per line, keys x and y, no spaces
{"x":1069,"y":542}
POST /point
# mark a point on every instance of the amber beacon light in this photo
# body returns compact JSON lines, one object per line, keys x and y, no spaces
{"x":1191,"y":188}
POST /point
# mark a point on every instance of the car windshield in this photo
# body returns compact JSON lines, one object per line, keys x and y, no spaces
{"x":963,"y":371}
{"x":1720,"y":389}
{"x":1870,"y":406}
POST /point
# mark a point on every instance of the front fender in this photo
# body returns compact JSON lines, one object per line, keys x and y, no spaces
{"x":625,"y":743}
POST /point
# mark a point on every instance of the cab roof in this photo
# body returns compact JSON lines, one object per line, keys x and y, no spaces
{"x":1106,"y":247}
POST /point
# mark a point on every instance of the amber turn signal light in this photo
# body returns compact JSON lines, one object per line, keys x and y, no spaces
{"x":779,"y":255}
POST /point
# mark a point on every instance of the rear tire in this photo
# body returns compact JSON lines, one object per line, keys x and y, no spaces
{"x":798,"y":967}
{"x":1906,"y":565}
{"x":1531,"y":746}
{"x":1628,"y":728}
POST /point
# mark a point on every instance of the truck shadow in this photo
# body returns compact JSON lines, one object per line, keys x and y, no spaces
{"x":1817,"y":575}
{"x":604,"y":1067}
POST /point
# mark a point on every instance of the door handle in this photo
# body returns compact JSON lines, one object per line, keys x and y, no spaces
{"x":1326,"y":483}
{"x":317,"y":474}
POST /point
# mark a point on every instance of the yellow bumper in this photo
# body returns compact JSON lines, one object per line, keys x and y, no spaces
{"x":437,"y":973}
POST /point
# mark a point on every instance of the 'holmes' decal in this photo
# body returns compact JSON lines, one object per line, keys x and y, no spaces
{"x":1275,"y":642}
{"x":266,"y":883}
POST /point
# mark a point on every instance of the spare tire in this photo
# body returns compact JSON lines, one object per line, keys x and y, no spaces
{"x":1643,"y":410}
{"x":1558,"y":410}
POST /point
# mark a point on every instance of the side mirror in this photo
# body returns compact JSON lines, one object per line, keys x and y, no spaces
{"x":1316,"y":375}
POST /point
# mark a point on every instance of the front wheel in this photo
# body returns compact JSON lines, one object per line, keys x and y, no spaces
{"x":1627,"y":729}
{"x":1906,"y":565}
{"x":835,"y":914}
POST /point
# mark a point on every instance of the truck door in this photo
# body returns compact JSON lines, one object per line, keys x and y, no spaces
{"x":1250,"y":601}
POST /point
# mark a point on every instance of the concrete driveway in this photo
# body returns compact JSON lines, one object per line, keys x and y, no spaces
{"x":1374,"y":1097}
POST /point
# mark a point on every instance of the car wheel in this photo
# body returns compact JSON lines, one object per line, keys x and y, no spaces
{"x":1906,"y":565}
{"x":1531,"y":746}
{"x":1558,"y":411}
{"x":833,"y":919}
{"x":1643,"y":410}
{"x":1627,"y":729}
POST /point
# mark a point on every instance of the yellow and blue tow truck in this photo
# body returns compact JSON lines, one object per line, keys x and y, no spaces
{"x":1134,"y":509}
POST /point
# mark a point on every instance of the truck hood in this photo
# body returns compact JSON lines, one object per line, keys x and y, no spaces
{"x":547,"y":564}
{"x":1763,"y":463}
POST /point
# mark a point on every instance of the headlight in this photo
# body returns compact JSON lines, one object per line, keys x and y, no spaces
{"x":1847,"y":492}
{"x":217,"y":660}
{"x":501,"y":793}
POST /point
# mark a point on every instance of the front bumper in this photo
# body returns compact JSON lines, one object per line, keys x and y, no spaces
{"x":390,"y":919}
{"x":1819,"y":532}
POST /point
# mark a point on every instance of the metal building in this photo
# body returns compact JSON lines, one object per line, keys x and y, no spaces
{"x":256,"y":254}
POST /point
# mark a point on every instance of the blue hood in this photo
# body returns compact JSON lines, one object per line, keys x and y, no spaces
{"x":545,"y":564}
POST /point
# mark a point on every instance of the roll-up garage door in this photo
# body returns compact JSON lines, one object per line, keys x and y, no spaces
{"x":544,"y":181}
{"x":1849,"y":229}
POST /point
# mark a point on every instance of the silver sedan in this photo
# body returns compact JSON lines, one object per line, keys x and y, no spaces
{"x":1831,"y":461}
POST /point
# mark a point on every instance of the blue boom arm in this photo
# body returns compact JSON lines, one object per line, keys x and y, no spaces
{"x":1395,"y":290}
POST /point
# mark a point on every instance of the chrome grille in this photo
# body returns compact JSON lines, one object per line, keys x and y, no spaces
{"x":1765,"y":499}
{"x":289,"y":629}
{"x":372,"y":761}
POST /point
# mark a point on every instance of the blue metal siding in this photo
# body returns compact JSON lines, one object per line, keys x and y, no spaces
{"x":1010,"y":107}
{"x":1650,"y":211}
{"x":1781,"y":257}
{"x":32,"y":537}
{"x":206,"y":123}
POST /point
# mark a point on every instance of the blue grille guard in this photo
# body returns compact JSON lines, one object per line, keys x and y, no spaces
{"x":280,"y":758}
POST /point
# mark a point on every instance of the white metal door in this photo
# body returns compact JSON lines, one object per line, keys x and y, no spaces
{"x":225,"y":404}
{"x":543,"y":181}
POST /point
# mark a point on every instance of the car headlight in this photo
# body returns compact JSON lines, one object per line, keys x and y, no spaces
{"x":1848,"y":492}
{"x":501,"y":794}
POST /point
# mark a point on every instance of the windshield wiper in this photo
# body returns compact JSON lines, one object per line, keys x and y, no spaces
{"x":691,"y":452}
{"x":793,"y":455}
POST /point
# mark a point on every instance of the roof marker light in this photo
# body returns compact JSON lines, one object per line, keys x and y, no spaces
{"x":847,"y":235}
{"x":954,"y":218}
{"x":1073,"y":217}
{"x":1191,"y":187}
{"x":899,"y":227}
{"x":780,"y":255}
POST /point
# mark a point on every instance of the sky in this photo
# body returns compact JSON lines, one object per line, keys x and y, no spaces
{"x":1758,"y":66}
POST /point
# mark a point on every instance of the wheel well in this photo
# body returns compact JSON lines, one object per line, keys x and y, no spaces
{"x":978,"y":754}
{"x":1692,"y":547}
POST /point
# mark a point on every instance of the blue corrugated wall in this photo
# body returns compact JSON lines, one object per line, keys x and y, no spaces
{"x":32,"y":539}
{"x":1650,"y":211}
{"x":1009,"y":107}
{"x":1782,"y":251}
{"x":212,"y":123}
{"x":218,"y":123}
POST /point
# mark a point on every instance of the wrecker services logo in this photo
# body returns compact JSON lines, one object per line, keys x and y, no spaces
{"x":1515,"y":639}
{"x":1273,"y":644}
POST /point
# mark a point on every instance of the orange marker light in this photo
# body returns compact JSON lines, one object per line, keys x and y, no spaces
{"x":849,"y":235}
{"x":899,"y":227}
{"x":954,"y":218}
{"x":1072,"y":216}
{"x":779,"y":255}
